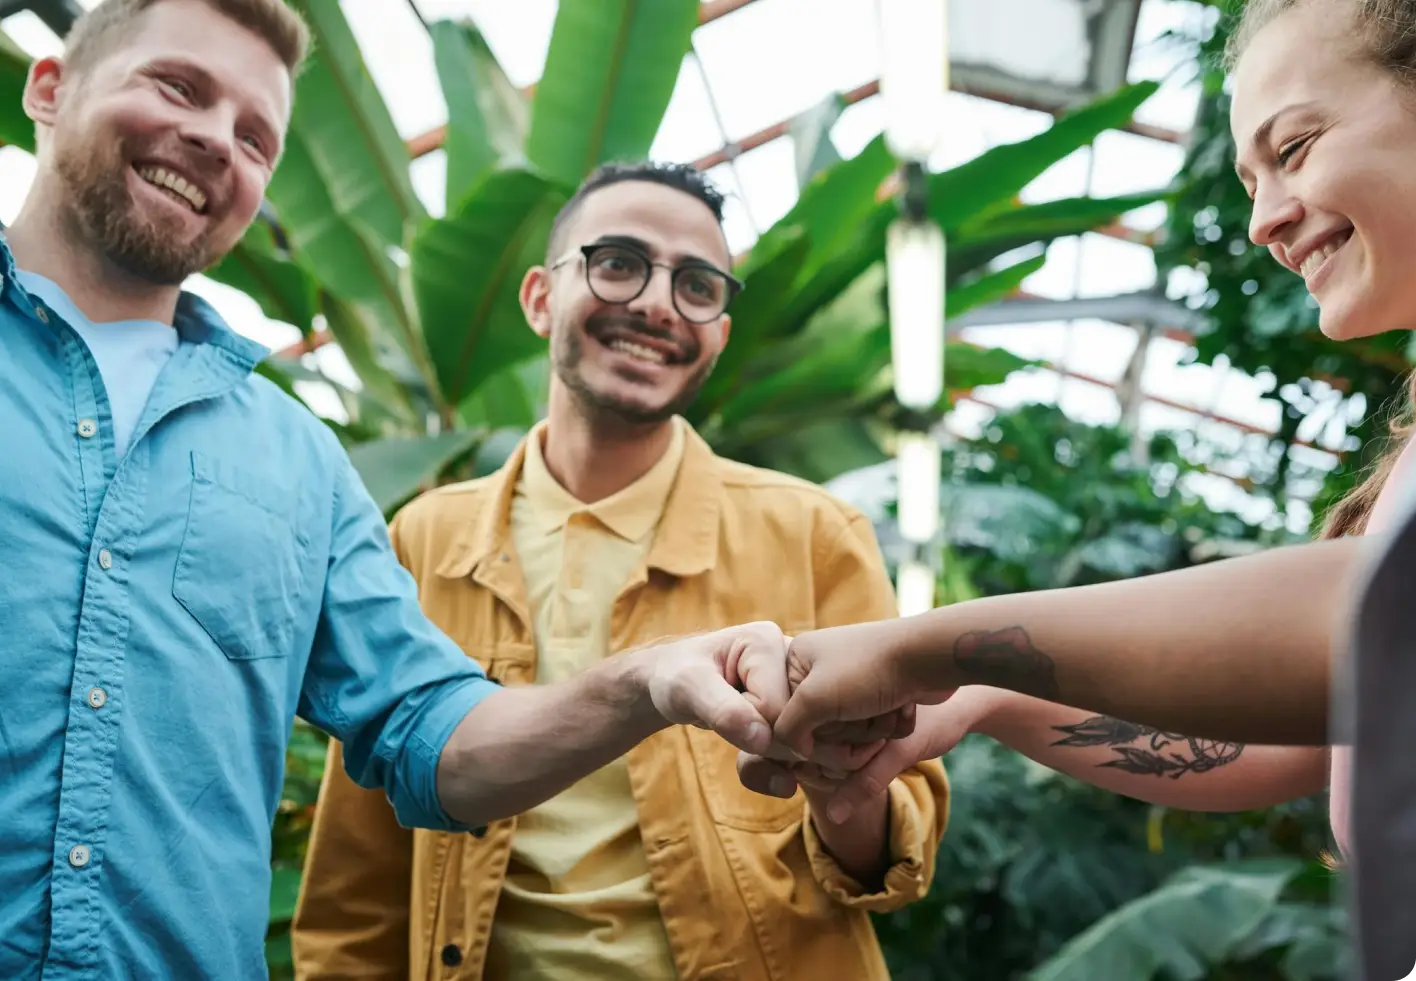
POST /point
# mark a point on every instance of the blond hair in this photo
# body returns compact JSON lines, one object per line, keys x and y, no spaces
{"x":99,"y":31}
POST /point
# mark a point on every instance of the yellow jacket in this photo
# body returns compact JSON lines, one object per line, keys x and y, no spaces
{"x":744,"y":887}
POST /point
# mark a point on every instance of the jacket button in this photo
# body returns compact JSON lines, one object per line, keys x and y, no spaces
{"x":452,"y":955}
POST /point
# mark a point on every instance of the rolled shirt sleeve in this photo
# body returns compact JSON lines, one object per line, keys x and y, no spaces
{"x":382,"y":678}
{"x":919,"y":812}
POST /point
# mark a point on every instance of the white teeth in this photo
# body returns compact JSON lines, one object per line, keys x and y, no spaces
{"x":166,"y":179}
{"x":1316,"y":258}
{"x":638,"y":351}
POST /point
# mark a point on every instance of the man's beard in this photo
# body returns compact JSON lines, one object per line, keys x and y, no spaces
{"x":99,"y":206}
{"x":566,"y":355}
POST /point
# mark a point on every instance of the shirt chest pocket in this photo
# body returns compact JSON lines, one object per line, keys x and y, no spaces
{"x":238,"y":567}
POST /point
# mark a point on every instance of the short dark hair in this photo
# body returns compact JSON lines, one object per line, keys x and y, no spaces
{"x":97,"y":32}
{"x":681,"y":177}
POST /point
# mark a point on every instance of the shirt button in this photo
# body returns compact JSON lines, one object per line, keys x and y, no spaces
{"x":97,"y":697}
{"x":452,"y":955}
{"x":42,"y":314}
{"x":105,"y":559}
{"x":87,"y":428}
{"x":79,"y":856}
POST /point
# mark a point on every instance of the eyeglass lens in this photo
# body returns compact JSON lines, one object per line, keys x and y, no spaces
{"x":618,"y":275}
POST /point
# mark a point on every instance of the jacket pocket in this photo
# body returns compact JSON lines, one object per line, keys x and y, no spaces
{"x":238,"y":567}
{"x":729,"y":802}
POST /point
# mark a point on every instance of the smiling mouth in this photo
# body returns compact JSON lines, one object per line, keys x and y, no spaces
{"x":175,"y":186}
{"x":637,"y":351}
{"x":1314,"y":260}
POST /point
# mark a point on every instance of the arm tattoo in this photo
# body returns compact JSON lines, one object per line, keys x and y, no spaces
{"x":1006,"y":659}
{"x":1160,"y":754}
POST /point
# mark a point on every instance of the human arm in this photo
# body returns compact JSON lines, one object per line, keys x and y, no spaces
{"x":352,"y":918}
{"x":1238,"y":649}
{"x":452,"y":750}
{"x":1133,"y":760}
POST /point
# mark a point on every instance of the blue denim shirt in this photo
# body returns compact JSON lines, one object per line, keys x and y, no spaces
{"x":163,"y":618}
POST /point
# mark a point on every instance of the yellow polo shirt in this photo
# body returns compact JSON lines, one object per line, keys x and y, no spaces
{"x":577,"y":902}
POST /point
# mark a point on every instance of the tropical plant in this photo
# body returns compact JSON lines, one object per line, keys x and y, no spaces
{"x":1045,"y":878}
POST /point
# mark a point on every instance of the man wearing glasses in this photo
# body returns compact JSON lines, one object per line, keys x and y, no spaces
{"x":611,"y":525}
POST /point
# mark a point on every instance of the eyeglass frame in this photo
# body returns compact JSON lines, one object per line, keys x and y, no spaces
{"x":735,"y":286}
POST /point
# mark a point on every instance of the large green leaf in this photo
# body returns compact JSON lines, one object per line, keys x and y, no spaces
{"x":968,"y":366}
{"x":351,"y":143}
{"x":756,"y":315}
{"x":363,"y":347}
{"x":512,"y":398}
{"x":985,"y":184}
{"x":991,"y":287}
{"x":397,"y":467}
{"x":487,"y":116}
{"x":349,"y":260}
{"x":610,"y":72}
{"x":994,"y":178}
{"x":836,"y":368}
{"x":1180,"y":930}
{"x":830,"y":210}
{"x":1003,"y":231}
{"x":466,"y":274}
{"x":816,"y":451}
{"x":283,"y":289}
{"x":15,"y":127}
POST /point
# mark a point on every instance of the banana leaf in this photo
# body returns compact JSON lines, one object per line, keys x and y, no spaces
{"x":610,"y":71}
{"x":487,"y":117}
{"x":466,"y":273}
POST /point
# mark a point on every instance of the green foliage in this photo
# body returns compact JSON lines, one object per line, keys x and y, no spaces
{"x":15,"y":126}
{"x":1040,"y":876}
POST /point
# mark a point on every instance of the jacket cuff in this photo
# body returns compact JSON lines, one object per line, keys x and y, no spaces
{"x":907,"y":878}
{"x":414,"y":792}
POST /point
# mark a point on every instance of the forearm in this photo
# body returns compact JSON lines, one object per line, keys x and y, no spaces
{"x":1236,"y":650}
{"x":526,"y":744}
{"x":860,"y":844}
{"x":1146,"y":763}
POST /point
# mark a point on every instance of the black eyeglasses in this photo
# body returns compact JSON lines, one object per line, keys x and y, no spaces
{"x":618,"y":273}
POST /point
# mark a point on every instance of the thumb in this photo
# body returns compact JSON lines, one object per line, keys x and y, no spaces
{"x":806,"y":709}
{"x":707,"y":697}
{"x":873,"y":779}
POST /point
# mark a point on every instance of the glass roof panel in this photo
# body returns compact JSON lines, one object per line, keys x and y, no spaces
{"x":773,"y":59}
{"x":1098,"y":348}
{"x":1162,"y":53}
{"x":519,"y":33}
{"x":399,"y":56}
{"x":688,"y":130}
{"x":29,"y":32}
{"x":1053,"y":48}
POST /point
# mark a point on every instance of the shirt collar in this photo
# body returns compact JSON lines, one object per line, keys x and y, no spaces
{"x":197,"y":321}
{"x":631,"y":512}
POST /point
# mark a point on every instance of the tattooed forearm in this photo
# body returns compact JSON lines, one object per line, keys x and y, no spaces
{"x":1147,"y":751}
{"x":1006,"y":659}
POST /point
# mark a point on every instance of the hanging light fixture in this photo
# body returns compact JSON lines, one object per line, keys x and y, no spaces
{"x":914,"y":35}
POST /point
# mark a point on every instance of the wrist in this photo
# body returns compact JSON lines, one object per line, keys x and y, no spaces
{"x":919,"y":650}
{"x":630,"y":684}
